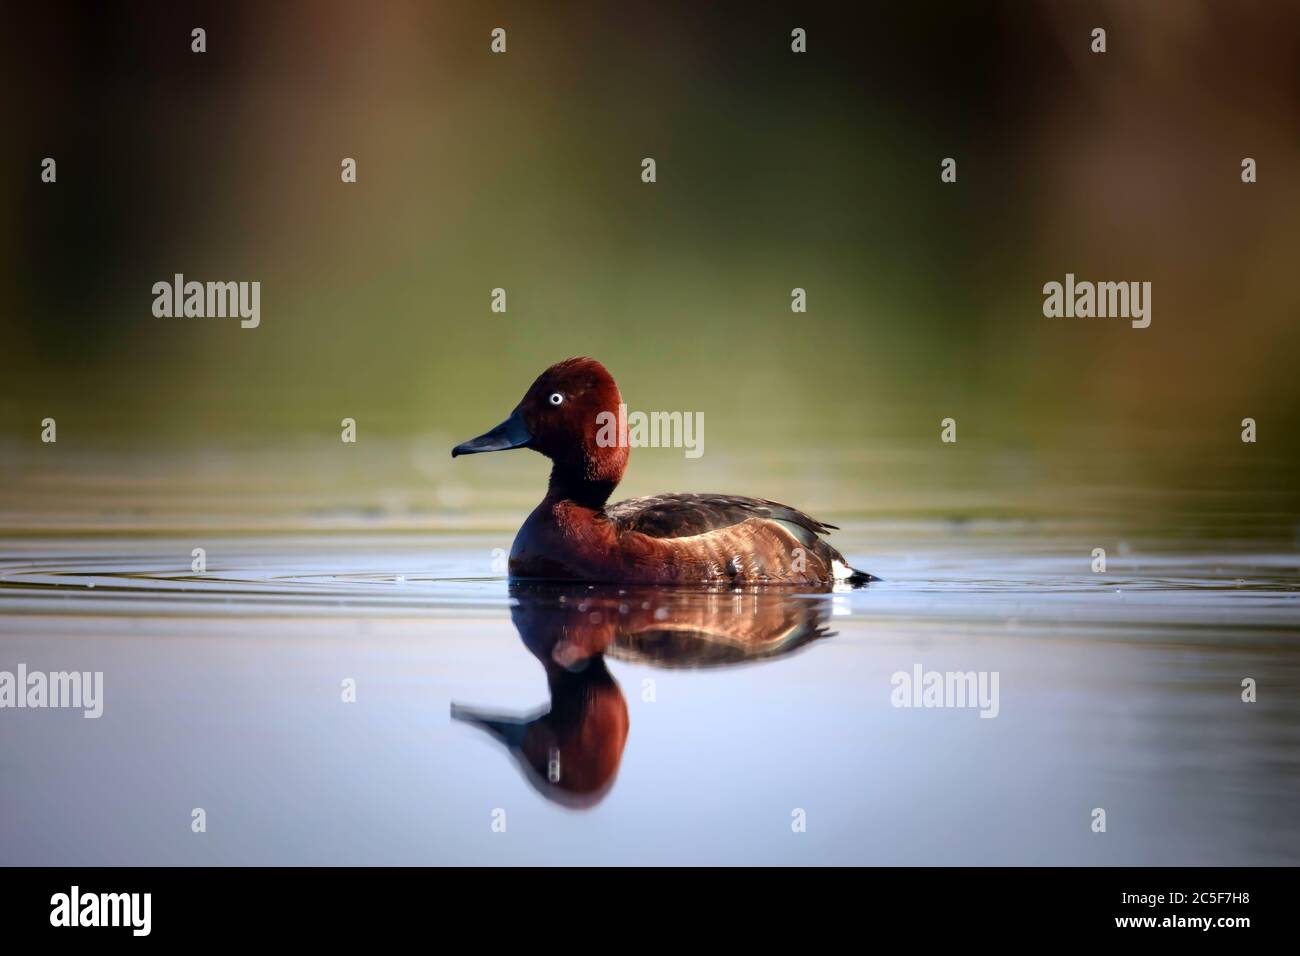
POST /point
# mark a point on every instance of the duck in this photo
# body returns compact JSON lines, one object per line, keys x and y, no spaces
{"x":575,"y":534}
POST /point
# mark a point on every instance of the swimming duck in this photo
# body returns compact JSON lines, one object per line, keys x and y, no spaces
{"x":677,"y":539}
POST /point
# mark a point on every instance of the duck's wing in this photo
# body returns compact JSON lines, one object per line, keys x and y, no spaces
{"x":683,"y":515}
{"x":694,"y":538}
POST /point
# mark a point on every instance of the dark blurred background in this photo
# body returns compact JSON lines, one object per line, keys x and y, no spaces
{"x":775,"y":170}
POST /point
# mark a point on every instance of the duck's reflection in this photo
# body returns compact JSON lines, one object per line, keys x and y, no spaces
{"x":571,"y":751}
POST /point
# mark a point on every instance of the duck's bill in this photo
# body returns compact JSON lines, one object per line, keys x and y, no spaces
{"x":511,"y":433}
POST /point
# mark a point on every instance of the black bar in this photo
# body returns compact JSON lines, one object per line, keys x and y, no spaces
{"x":372,"y":905}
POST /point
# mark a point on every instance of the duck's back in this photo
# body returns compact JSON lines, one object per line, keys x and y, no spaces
{"x":679,"y":515}
{"x":716,"y":538}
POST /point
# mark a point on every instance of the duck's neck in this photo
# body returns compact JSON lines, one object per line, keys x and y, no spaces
{"x":566,"y":485}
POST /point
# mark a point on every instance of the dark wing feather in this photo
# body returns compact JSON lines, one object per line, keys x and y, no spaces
{"x":680,"y":515}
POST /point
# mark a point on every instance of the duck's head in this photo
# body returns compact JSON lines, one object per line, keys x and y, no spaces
{"x":570,"y":415}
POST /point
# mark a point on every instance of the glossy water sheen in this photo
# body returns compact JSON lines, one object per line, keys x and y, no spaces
{"x":687,"y":727}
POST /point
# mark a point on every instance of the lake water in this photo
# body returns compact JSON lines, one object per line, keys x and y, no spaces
{"x":599,"y":725}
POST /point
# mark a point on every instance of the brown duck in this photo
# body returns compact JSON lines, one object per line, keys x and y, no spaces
{"x":677,"y":539}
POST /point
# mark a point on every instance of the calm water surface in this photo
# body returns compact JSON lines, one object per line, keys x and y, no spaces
{"x":642,"y":726}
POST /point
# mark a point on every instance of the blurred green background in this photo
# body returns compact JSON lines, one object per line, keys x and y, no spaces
{"x":775,"y":170}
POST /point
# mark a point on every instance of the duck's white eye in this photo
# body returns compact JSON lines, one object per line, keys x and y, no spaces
{"x":556,"y":398}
